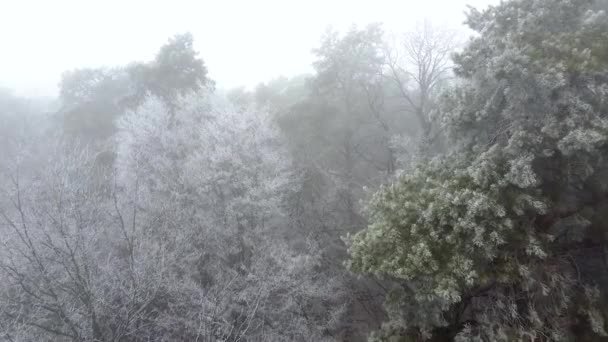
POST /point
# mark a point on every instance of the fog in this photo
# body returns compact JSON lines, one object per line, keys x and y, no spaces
{"x":324,"y":171}
{"x":242,"y":42}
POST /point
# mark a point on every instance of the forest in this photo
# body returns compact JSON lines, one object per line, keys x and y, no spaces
{"x":421,"y":187}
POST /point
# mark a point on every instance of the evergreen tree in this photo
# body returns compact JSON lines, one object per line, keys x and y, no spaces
{"x":503,"y":237}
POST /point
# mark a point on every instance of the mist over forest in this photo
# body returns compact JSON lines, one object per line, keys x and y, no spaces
{"x":434,"y":184}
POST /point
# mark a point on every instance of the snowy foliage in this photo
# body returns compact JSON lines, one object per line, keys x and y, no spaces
{"x":185,"y":240}
{"x":217,"y":176}
{"x":471,"y":233}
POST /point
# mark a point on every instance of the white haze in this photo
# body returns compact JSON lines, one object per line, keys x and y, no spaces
{"x":242,"y":42}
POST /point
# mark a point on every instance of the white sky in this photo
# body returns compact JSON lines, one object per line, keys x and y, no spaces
{"x":242,"y":42}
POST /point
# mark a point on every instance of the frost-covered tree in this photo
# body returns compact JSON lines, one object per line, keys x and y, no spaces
{"x":503,"y":237}
{"x":71,"y":268}
{"x":187,"y":239}
{"x":213,"y":178}
{"x":227,"y":161}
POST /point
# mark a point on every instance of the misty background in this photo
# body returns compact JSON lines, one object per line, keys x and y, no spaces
{"x":243,"y":42}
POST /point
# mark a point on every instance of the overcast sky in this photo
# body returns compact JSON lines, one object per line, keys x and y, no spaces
{"x":242,"y":42}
